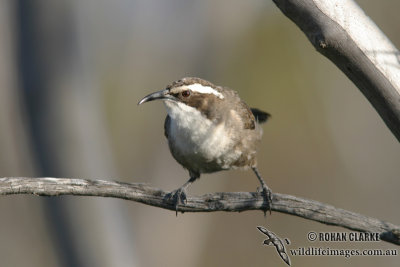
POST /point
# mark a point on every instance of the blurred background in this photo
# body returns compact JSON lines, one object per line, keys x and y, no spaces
{"x":71,"y":74}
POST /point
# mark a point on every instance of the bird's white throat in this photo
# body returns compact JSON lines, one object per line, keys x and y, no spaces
{"x":192,"y":133}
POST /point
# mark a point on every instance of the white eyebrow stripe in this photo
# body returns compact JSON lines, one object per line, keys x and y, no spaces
{"x":204,"y":90}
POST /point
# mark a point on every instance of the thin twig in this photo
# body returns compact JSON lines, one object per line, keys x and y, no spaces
{"x":238,"y":201}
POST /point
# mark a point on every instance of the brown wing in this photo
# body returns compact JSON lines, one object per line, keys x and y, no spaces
{"x":241,"y":108}
{"x":245,"y":113}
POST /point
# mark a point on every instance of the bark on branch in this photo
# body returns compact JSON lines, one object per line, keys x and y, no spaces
{"x":341,"y":31}
{"x":238,"y":201}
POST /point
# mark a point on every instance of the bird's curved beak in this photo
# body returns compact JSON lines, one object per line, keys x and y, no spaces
{"x":163,"y":94}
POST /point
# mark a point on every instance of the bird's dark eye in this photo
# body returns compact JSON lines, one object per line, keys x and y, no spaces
{"x":185,"y":93}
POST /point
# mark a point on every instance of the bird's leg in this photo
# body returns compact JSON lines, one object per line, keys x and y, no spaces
{"x":266,"y":191}
{"x":179,"y":195}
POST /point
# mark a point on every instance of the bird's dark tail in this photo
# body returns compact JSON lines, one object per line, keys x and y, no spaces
{"x":260,"y":115}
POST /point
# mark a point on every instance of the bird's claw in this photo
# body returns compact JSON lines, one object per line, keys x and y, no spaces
{"x":267,"y":193}
{"x":179,"y":197}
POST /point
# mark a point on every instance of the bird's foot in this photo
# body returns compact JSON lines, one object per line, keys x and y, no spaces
{"x":178,"y":196}
{"x":267,"y":193}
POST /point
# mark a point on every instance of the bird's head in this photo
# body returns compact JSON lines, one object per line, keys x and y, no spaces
{"x":187,"y":94}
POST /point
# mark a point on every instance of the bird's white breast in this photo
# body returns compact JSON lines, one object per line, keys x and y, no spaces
{"x":199,"y":138}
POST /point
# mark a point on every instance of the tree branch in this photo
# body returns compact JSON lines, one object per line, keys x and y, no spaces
{"x":341,"y":31}
{"x":239,"y":201}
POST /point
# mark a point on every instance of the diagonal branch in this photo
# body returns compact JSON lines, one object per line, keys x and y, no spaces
{"x":341,"y":31}
{"x":239,"y":201}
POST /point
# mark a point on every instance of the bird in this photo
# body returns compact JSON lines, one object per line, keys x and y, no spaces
{"x":210,"y":128}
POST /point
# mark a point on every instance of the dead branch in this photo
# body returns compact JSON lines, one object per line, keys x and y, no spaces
{"x":341,"y":31}
{"x":234,"y":202}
